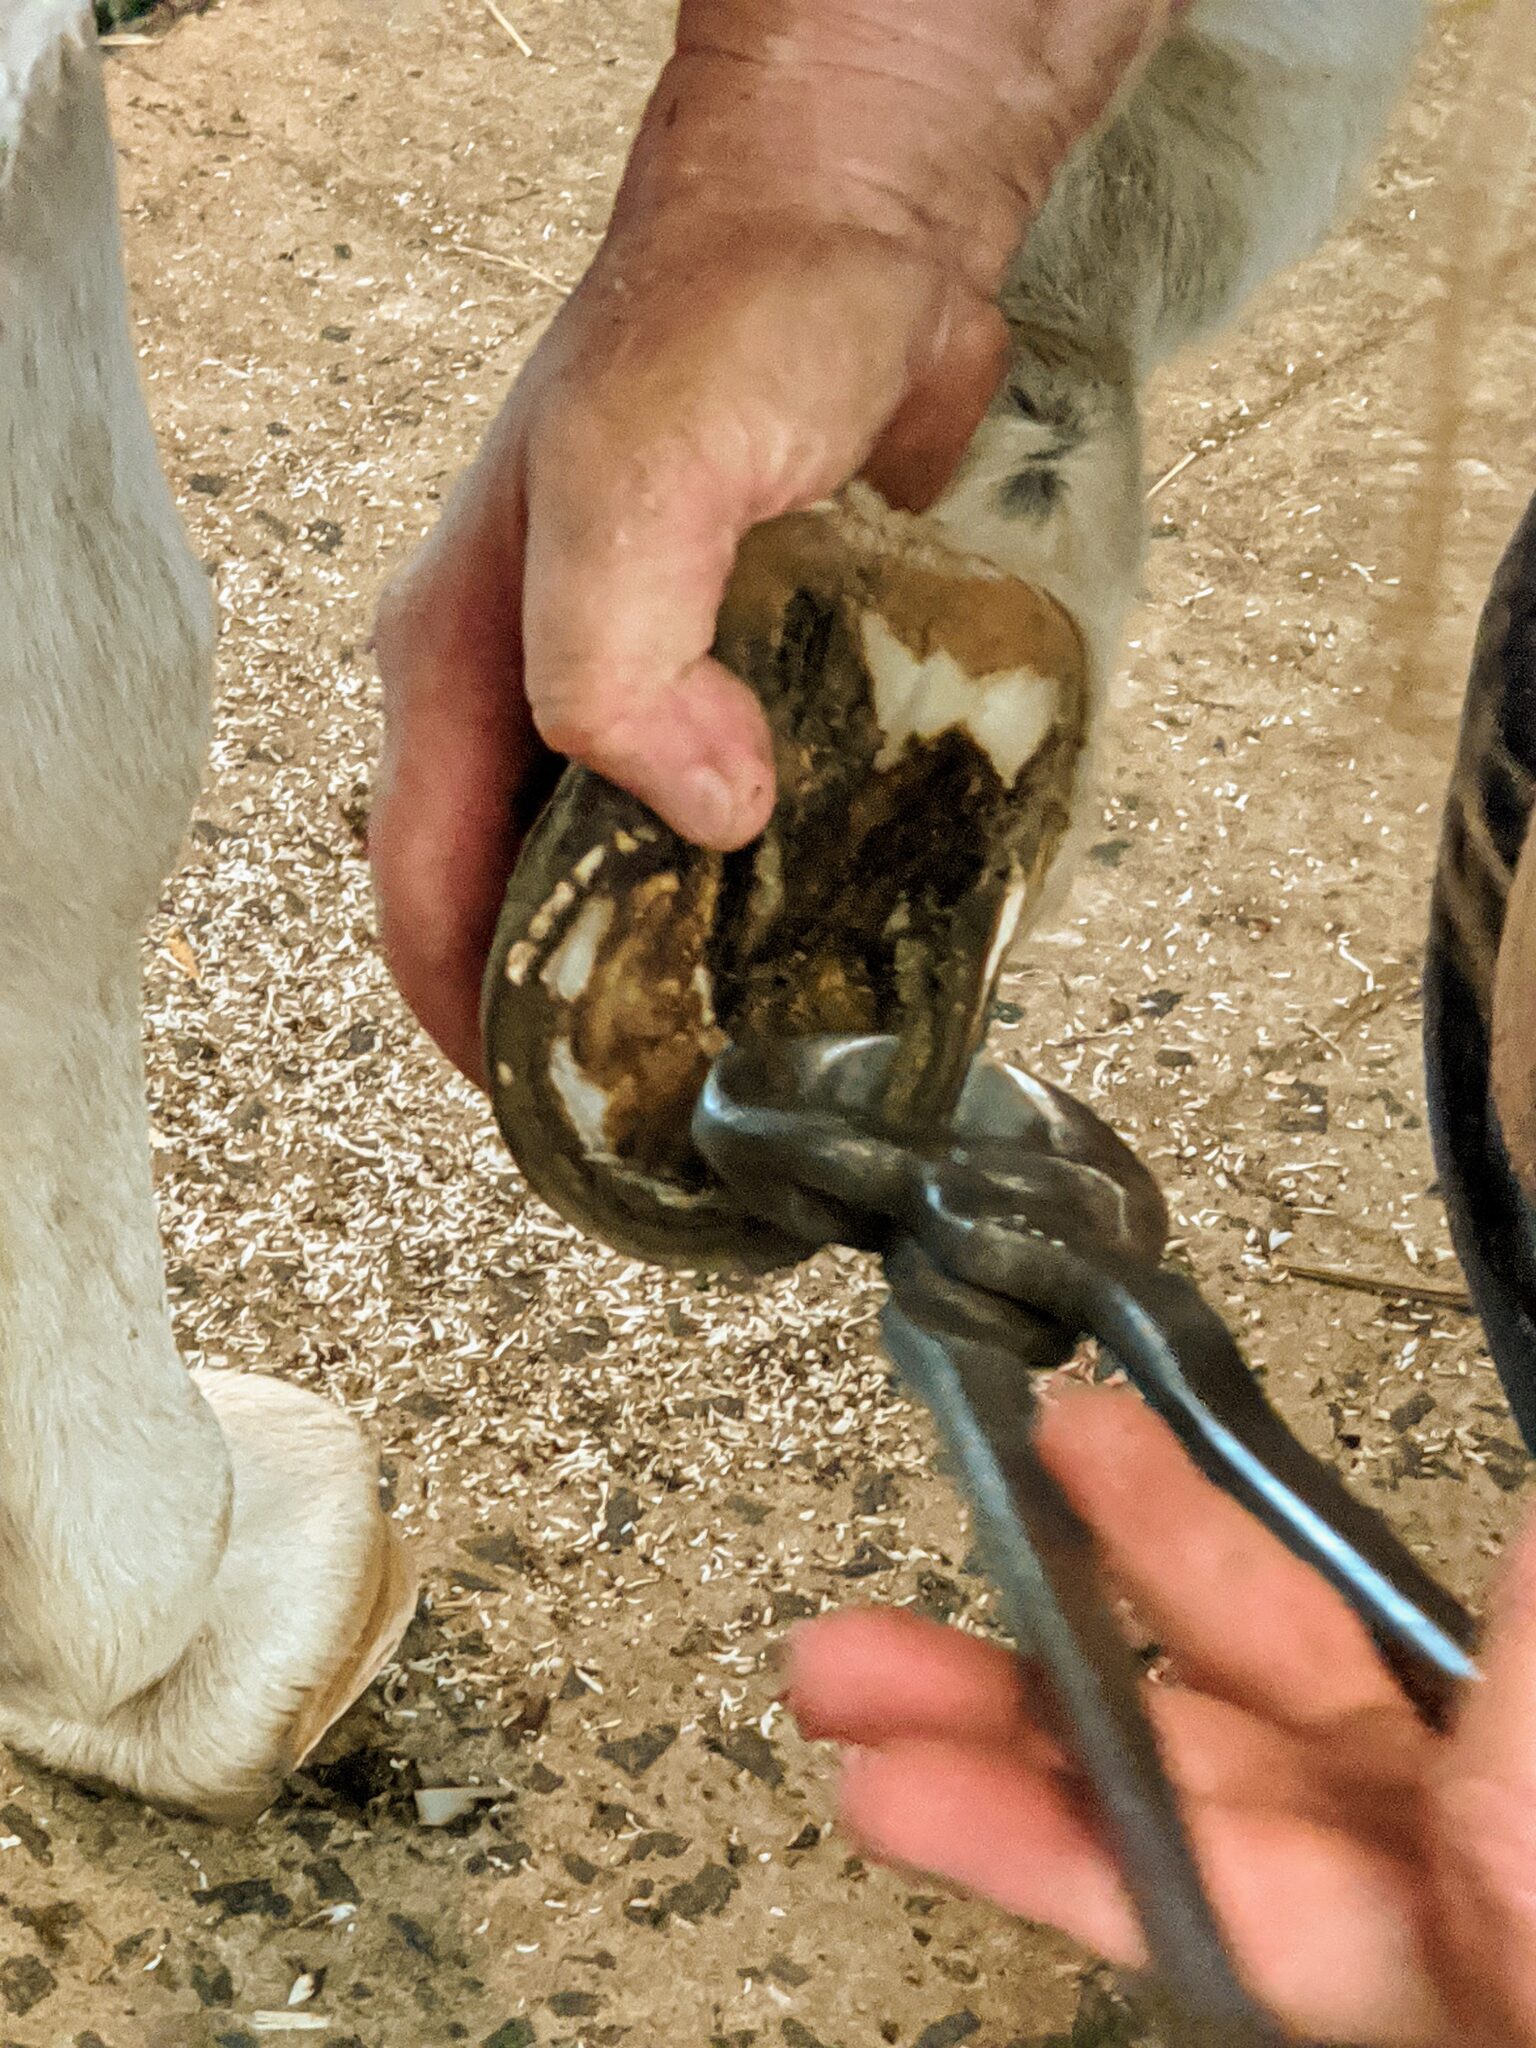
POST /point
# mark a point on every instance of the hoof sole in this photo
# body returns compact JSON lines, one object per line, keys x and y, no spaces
{"x":930,"y":718}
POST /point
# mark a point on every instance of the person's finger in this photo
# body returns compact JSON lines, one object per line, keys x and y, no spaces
{"x":1241,"y":1616}
{"x":459,"y":755}
{"x":1328,"y":1928}
{"x":628,"y":559}
{"x":871,"y":1675}
{"x":1484,"y":1800}
{"x":628,"y":687}
{"x":759,"y":384}
{"x":868,"y":1678}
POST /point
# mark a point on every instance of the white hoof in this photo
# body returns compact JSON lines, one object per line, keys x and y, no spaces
{"x":314,"y":1591}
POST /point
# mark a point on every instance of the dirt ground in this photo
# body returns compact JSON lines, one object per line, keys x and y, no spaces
{"x":346,"y":228}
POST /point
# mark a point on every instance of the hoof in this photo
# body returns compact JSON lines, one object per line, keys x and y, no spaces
{"x":314,"y":1591}
{"x":930,"y":718}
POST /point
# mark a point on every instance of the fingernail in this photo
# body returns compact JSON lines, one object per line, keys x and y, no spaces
{"x":714,"y":809}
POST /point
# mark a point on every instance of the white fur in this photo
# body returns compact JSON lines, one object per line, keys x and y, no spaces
{"x":170,"y":1593}
{"x":1230,"y":157}
{"x":193,"y":1577}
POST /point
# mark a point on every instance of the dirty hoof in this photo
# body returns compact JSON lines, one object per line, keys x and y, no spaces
{"x":930,"y":717}
{"x":314,"y":1591}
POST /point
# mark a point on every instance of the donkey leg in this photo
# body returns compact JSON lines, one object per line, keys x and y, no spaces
{"x":195,"y":1574}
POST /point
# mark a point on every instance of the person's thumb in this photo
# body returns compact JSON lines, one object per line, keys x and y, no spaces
{"x":624,"y":581}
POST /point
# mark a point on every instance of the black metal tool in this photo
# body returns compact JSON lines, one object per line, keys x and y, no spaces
{"x":1021,"y":1227}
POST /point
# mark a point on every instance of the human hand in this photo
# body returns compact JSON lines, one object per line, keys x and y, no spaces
{"x":1377,"y":1882}
{"x":798,"y":285}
